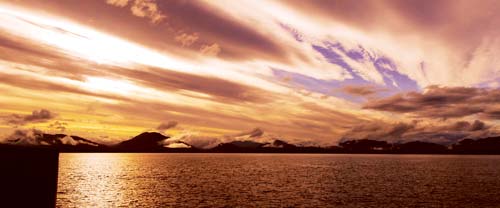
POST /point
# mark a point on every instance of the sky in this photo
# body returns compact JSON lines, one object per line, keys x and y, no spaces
{"x":308,"y":72}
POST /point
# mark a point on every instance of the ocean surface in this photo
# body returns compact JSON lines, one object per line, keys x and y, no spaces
{"x":277,"y":180}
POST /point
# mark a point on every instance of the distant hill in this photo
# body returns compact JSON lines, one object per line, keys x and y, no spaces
{"x":490,"y":145}
{"x":151,"y":142}
{"x":416,"y":147}
{"x":238,"y":146}
{"x":282,"y":144}
{"x":277,"y":146}
{"x":154,"y":142}
{"x":62,"y":142}
{"x":147,"y":141}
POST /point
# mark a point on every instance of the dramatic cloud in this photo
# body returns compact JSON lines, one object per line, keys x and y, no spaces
{"x":461,"y":50}
{"x":307,"y":72}
{"x":442,"y":102}
{"x":36,"y":116}
{"x":420,"y":131}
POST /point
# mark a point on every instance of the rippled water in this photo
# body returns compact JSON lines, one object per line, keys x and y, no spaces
{"x":277,"y":180}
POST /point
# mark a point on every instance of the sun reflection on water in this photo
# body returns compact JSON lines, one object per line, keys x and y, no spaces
{"x":95,"y":178}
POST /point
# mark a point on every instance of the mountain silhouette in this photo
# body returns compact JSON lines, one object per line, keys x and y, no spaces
{"x":83,"y":140}
{"x":490,"y":145}
{"x":282,"y":144}
{"x":247,"y":144}
{"x":147,"y":141}
{"x":238,"y":146}
{"x":277,"y":146}
{"x":62,"y":142}
{"x":419,"y":147}
{"x":153,"y":142}
{"x":53,"y":139}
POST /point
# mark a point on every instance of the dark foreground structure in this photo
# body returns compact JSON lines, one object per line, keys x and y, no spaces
{"x":28,"y":177}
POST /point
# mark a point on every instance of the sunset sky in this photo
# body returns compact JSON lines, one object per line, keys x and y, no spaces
{"x":308,"y":72}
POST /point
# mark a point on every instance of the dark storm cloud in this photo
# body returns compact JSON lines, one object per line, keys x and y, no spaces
{"x":442,"y":102}
{"x":378,"y":130}
{"x":447,"y":133}
{"x":36,"y":116}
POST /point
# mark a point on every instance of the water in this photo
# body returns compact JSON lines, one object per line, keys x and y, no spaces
{"x":277,"y":180}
